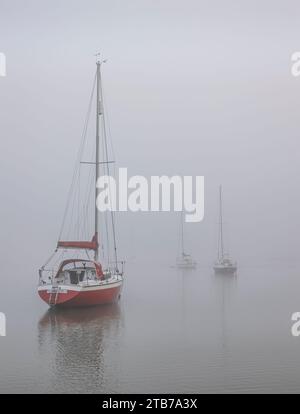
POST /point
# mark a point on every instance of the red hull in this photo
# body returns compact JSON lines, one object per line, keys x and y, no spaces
{"x":84,"y":297}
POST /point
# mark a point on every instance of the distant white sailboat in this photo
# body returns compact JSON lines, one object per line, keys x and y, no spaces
{"x":224,"y":264}
{"x":184,"y":261}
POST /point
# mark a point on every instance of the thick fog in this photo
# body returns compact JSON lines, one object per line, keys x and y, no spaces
{"x":191,"y":88}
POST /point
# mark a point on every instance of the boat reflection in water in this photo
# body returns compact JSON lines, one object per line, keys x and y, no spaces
{"x":76,"y":345}
{"x":226,"y":292}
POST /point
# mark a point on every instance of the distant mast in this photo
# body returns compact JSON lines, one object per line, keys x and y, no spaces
{"x":224,"y":264}
{"x":220,"y":245}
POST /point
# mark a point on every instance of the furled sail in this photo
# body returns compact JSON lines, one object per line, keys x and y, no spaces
{"x":87,"y":245}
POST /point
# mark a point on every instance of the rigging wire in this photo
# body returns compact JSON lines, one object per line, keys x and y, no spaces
{"x":78,"y":207}
{"x":108,"y":173}
{"x":49,"y":259}
{"x":105,"y":219}
{"x":82,"y":215}
{"x":80,"y":224}
{"x":79,"y":154}
{"x":86,"y":207}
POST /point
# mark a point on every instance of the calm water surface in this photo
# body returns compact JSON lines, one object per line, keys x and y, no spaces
{"x":172,"y":331}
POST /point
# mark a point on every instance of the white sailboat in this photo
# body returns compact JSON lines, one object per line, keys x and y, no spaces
{"x":184,"y":261}
{"x":224,"y":264}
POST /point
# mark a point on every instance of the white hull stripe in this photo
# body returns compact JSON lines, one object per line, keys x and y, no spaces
{"x":69,"y":288}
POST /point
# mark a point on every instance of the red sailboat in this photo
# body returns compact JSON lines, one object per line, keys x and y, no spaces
{"x":79,"y":279}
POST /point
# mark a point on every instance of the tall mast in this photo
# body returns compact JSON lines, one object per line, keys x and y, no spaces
{"x":99,"y":114}
{"x":97,"y":165}
{"x":221,"y":246}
